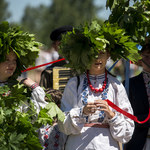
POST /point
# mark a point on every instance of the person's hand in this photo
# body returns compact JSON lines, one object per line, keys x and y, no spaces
{"x":89,"y":108}
{"x":103,"y":106}
{"x":27,"y":82}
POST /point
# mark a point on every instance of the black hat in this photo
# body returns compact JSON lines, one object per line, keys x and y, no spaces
{"x":56,"y":34}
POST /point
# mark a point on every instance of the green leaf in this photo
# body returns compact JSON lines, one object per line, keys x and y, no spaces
{"x":16,"y":138}
{"x":4,"y":26}
{"x":1,"y":115}
{"x":54,"y":111}
{"x":33,"y":144}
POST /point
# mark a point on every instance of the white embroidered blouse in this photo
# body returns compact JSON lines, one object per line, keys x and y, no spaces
{"x":92,"y":138}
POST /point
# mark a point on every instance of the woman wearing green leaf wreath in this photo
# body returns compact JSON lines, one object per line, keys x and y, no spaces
{"x":89,"y":121}
{"x":19,"y":105}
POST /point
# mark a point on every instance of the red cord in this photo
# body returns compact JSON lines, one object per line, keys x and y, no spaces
{"x":132,"y":117}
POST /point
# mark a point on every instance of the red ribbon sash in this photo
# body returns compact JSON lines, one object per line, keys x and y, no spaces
{"x":31,"y":68}
{"x":132,"y":117}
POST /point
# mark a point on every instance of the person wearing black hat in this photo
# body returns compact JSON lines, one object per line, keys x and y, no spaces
{"x":47,"y":75}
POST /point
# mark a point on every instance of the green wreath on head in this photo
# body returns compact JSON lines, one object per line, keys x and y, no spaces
{"x":81,"y":46}
{"x":22,"y":43}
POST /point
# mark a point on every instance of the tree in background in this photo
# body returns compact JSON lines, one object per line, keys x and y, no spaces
{"x":4,"y":14}
{"x":132,"y":15}
{"x":43,"y":19}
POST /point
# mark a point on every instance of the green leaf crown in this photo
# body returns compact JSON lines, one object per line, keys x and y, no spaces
{"x":81,"y":46}
{"x":22,"y":43}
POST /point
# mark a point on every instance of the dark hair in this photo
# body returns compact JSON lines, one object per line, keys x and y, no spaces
{"x":56,"y":96}
{"x":145,"y":47}
{"x":56,"y":34}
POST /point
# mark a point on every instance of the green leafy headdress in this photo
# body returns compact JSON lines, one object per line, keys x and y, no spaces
{"x":22,"y":43}
{"x":82,"y":46}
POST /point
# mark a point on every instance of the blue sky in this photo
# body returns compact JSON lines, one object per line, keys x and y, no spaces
{"x":16,"y":7}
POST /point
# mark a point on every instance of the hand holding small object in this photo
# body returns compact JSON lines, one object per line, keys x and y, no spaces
{"x":89,"y":108}
{"x":103,"y":106}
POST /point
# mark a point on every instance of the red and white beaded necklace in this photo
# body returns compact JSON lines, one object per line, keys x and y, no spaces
{"x":94,"y":89}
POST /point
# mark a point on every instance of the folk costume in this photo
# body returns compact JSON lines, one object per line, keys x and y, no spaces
{"x":95,"y":131}
{"x":103,"y":137}
{"x":20,"y":105}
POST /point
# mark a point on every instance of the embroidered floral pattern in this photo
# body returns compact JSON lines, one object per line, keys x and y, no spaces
{"x":51,"y":136}
{"x":46,"y":136}
{"x":84,"y":97}
{"x":85,"y":91}
{"x":104,"y":96}
{"x":33,"y":86}
{"x":56,"y":139}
